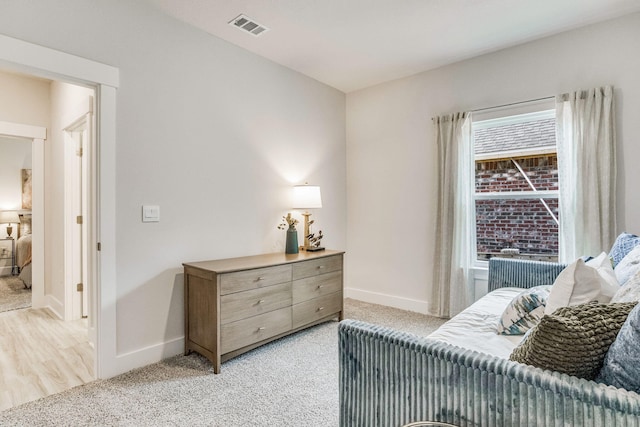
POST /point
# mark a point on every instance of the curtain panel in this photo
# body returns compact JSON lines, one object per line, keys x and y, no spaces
{"x":585,"y":133}
{"x":451,"y":291}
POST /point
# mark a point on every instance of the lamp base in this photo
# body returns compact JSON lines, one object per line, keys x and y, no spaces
{"x":313,"y":249}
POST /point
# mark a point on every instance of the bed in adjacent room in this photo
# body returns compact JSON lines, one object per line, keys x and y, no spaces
{"x":23,"y":256}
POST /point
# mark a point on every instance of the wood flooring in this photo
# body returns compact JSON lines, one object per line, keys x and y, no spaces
{"x":41,"y":355}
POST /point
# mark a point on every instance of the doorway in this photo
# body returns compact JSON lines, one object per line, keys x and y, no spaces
{"x":40,"y":61}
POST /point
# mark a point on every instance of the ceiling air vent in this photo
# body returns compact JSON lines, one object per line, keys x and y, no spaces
{"x":247,"y":24}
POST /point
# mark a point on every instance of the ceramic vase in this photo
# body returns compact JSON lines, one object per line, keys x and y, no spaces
{"x":292,"y":241}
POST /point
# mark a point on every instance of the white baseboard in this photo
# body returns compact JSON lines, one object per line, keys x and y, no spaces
{"x":148,"y":355}
{"x":55,"y":305}
{"x":388,"y":300}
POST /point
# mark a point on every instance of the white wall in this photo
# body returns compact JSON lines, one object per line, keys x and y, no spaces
{"x":214,"y":135}
{"x":391,"y":180}
{"x":25,"y":101}
{"x":15,"y":155}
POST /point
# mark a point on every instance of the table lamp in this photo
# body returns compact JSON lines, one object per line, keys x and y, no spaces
{"x":307,"y":197}
{"x":9,"y":217}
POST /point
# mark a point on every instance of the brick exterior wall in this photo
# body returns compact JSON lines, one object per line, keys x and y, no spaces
{"x":522,"y":224}
{"x":502,"y":175}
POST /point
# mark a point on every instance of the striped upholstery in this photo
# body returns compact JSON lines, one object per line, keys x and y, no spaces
{"x":389,"y":378}
{"x":520,"y":273}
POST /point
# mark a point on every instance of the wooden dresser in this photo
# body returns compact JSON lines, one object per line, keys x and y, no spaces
{"x":237,"y":304}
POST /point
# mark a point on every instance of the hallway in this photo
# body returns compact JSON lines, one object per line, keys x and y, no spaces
{"x":41,"y":355}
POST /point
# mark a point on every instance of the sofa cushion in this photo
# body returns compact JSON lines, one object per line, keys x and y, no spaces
{"x":624,"y":243}
{"x":573,"y":340}
{"x":628,"y":266}
{"x":621,"y":366}
{"x":524,"y":311}
{"x":630,"y":292}
{"x":581,"y":282}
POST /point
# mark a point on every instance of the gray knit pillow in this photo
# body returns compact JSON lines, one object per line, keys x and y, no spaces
{"x":573,"y":340}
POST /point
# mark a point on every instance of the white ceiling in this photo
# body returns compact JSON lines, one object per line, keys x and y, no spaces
{"x":353,"y":44}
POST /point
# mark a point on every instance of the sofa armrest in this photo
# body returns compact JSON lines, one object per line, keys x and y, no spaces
{"x":521,"y":273}
{"x":389,"y":378}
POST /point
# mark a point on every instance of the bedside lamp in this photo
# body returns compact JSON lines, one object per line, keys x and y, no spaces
{"x":307,"y":197}
{"x":9,"y":217}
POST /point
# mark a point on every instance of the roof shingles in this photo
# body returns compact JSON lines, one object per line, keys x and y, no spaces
{"x":518,"y":136}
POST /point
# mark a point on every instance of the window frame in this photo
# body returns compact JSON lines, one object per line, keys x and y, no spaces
{"x":506,"y":118}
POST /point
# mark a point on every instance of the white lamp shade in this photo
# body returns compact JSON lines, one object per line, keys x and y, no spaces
{"x":8,"y":217}
{"x":306,"y":197}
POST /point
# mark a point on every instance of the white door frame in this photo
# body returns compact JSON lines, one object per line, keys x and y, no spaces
{"x":80,"y":119}
{"x":20,"y":56}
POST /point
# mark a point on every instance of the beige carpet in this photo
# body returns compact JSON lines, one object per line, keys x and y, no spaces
{"x":290,"y":382}
{"x":13,"y":294}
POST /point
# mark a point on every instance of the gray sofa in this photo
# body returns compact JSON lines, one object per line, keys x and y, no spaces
{"x":391,"y":378}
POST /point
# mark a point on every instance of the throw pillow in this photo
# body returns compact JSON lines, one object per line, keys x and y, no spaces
{"x":580,"y":283}
{"x":628,"y":266}
{"x":609,"y":284}
{"x":524,"y":311}
{"x":574,"y":340}
{"x":621,"y":366}
{"x":630,"y":292}
{"x":624,"y":243}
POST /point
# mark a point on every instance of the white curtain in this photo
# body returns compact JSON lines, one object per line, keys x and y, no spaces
{"x":585,"y":128}
{"x":451,"y":291}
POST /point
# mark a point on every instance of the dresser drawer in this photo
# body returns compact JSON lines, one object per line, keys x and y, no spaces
{"x":317,"y":266}
{"x":317,"y":308}
{"x":245,"y":332}
{"x":317,"y":286}
{"x":241,"y":305}
{"x":253,"y":279}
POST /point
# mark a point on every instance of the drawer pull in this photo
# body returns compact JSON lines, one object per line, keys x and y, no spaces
{"x":320,"y":309}
{"x":320,"y":287}
{"x":320,"y":267}
{"x":261,"y":328}
{"x":260,"y":301}
{"x":260,"y":278}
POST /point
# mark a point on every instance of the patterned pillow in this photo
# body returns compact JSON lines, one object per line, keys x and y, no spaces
{"x":621,"y":366}
{"x":573,"y":340}
{"x":628,"y":266}
{"x":630,"y":292}
{"x":624,"y":243}
{"x":524,"y":311}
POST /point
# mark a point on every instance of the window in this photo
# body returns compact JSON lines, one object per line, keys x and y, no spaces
{"x":516,"y":187}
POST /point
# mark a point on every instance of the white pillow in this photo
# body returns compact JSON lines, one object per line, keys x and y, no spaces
{"x":610,"y":284}
{"x":628,"y":266}
{"x":630,"y":292}
{"x":581,"y":283}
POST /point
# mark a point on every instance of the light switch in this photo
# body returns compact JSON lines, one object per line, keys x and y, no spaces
{"x":150,"y":213}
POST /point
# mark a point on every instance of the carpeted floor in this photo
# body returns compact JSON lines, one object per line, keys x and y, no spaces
{"x":290,"y":382}
{"x":13,"y":295}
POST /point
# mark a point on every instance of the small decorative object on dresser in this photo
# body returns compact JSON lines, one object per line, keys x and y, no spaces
{"x":235,"y":305}
{"x":289,"y":224}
